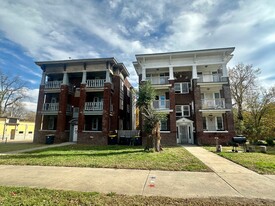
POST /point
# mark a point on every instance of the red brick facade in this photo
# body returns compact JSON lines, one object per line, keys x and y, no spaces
{"x":75,"y":94}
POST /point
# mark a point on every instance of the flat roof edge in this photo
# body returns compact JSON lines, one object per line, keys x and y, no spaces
{"x":39,"y":63}
{"x":188,"y":51}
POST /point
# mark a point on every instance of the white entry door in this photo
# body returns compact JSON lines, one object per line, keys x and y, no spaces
{"x":75,"y":133}
{"x":183,"y":134}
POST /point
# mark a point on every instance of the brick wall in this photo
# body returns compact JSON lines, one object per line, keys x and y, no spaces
{"x":38,"y":118}
{"x":92,"y":138}
{"x":106,"y":109}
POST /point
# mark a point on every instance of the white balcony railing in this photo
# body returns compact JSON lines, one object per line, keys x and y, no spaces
{"x":53,"y":84}
{"x":95,"y":83}
{"x":161,"y":104}
{"x":213,"y":104}
{"x":93,"y":106}
{"x":210,"y":78}
{"x":158,"y":80}
{"x":50,"y":107}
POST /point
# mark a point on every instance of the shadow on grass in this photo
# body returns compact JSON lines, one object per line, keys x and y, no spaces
{"x":39,"y":154}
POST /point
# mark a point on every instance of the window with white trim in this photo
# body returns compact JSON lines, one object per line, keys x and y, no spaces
{"x":182,"y":111}
{"x":121,"y":95}
{"x":219,"y":123}
{"x":182,"y":88}
{"x":163,"y":125}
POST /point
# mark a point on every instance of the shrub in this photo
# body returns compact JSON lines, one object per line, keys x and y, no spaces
{"x":270,"y":141}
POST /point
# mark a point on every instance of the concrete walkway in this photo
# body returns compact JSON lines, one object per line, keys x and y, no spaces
{"x":244,"y":181}
{"x":228,"y":179}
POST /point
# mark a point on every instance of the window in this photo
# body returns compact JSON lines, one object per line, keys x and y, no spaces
{"x":163,"y":125}
{"x":182,"y":88}
{"x":182,"y":111}
{"x":95,"y":124}
{"x":30,"y":132}
{"x":219,"y":123}
{"x":21,"y":132}
{"x":204,"y":123}
{"x":121,"y":95}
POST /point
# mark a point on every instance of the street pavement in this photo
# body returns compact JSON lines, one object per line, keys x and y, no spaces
{"x":227,"y":179}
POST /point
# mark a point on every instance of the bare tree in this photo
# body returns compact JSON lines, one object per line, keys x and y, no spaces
{"x":12,"y":90}
{"x":242,"y":81}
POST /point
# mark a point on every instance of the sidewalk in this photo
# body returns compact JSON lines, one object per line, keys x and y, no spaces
{"x":241,"y":179}
{"x":228,"y":179}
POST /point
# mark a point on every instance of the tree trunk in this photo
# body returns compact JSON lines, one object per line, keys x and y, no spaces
{"x":157,"y":138}
{"x":149,"y":142}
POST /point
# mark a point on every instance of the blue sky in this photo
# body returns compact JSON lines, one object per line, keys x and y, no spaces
{"x":58,"y":29}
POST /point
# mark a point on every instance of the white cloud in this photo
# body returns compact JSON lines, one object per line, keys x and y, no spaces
{"x":59,"y":30}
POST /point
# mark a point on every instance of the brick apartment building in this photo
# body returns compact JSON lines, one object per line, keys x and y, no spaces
{"x":83,"y":100}
{"x":193,"y":89}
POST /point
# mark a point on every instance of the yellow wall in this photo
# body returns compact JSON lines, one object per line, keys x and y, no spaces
{"x":23,"y":131}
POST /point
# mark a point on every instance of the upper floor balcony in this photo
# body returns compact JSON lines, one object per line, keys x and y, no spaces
{"x":213,"y":103}
{"x":95,"y":108}
{"x":95,"y":83}
{"x":158,"y":80}
{"x":53,"y":108}
{"x":53,"y":84}
{"x":161,"y":105}
{"x":210,"y":78}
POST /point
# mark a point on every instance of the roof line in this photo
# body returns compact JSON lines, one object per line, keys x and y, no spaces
{"x":39,"y":63}
{"x":188,"y":51}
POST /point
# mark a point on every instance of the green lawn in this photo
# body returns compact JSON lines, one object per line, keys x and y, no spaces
{"x":10,"y":146}
{"x":31,"y":196}
{"x":259,"y":162}
{"x":172,"y":158}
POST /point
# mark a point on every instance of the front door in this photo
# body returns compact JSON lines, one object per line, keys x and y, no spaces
{"x":75,"y":128}
{"x":183,"y":134}
{"x":12,"y":134}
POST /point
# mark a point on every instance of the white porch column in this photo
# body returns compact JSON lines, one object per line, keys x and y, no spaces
{"x":194,"y":72}
{"x":65,"y":79}
{"x":84,"y":77}
{"x":43,"y":79}
{"x":143,"y":74}
{"x":108,"y":76}
{"x":171,"y":73}
{"x":224,"y":70}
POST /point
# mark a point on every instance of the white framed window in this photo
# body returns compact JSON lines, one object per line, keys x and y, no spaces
{"x":219,"y":122}
{"x":182,"y":88}
{"x":182,"y":111}
{"x":95,"y":124}
{"x":163,"y":125}
{"x":121,"y":95}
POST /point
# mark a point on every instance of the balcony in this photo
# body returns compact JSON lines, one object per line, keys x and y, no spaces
{"x":95,"y":83}
{"x":95,"y":108}
{"x":50,"y":107}
{"x":53,"y":108}
{"x":213,"y":104}
{"x":158,"y":80}
{"x":161,"y":105}
{"x":210,"y":78}
{"x":53,"y":84}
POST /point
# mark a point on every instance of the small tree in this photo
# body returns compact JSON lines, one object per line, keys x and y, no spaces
{"x":12,"y":90}
{"x":151,"y":125}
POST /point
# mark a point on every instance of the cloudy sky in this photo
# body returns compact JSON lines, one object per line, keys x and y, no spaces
{"x":58,"y":29}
